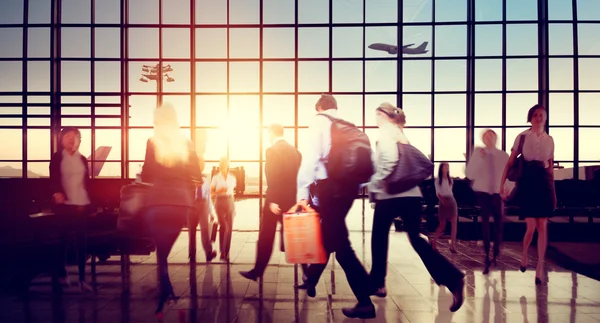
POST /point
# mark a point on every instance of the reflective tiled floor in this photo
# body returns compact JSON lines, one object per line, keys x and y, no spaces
{"x":217,"y":293}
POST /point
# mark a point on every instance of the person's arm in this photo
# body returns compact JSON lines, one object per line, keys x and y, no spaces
{"x":550,"y":170}
{"x":149,"y":167}
{"x":310,"y":161}
{"x":514,"y":153}
{"x":272,"y":176}
{"x":387,"y":159}
{"x":58,"y":192}
{"x":208,"y":198}
{"x":213,"y":185}
{"x":436,"y":185}
{"x":474,"y":164}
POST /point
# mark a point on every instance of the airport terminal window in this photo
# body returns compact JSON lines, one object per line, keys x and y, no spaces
{"x":561,"y":111}
{"x":278,"y":11}
{"x":211,"y":77}
{"x":450,"y":144}
{"x":313,"y":11}
{"x":216,"y":144}
{"x":175,"y":43}
{"x":244,"y":143}
{"x":381,"y":11}
{"x":384,"y":35}
{"x":587,"y":10}
{"x":76,"y":11}
{"x":108,"y":42}
{"x":560,"y":39}
{"x":587,"y":38}
{"x":37,"y":169}
{"x":11,"y":122}
{"x":244,"y":43}
{"x":11,"y":76}
{"x":588,"y":73}
{"x":450,"y":75}
{"x":38,"y":42}
{"x":372,"y":101}
{"x":450,"y":110}
{"x":347,"y":42}
{"x":107,"y":122}
{"x":488,"y":75}
{"x":176,"y":12}
{"x":107,"y":77}
{"x":211,"y":110}
{"x":417,"y":11}
{"x":278,"y":77}
{"x":347,"y":11}
{"x":560,"y":10}
{"x":244,"y":11}
{"x":252,"y":170}
{"x":278,"y":42}
{"x":137,"y":143}
{"x":522,"y":74}
{"x":488,"y":110}
{"x":143,"y":43}
{"x":347,"y":76}
{"x":38,"y":76}
{"x":278,"y":109}
{"x":110,"y":138}
{"x":521,"y":10}
{"x":143,"y":11}
{"x":313,"y":76}
{"x":589,"y":150}
{"x":40,"y":12}
{"x":313,"y":42}
{"x":211,"y":12}
{"x":420,"y":138}
{"x":12,"y":39}
{"x":521,"y":39}
{"x":107,"y":12}
{"x":211,"y":43}
{"x":12,"y":13}
{"x":589,"y":105}
{"x":244,"y":76}
{"x":380,"y":76}
{"x":416,"y":75}
{"x":563,"y":143}
{"x":417,"y":108}
{"x":517,"y":105}
{"x":181,"y":103}
{"x":177,"y":80}
{"x":488,"y":10}
{"x":109,"y":170}
{"x":451,"y":41}
{"x":75,"y":122}
{"x":75,"y":42}
{"x":561,"y":73}
{"x":75,"y":76}
{"x":141,"y":110}
{"x":488,"y":40}
{"x":38,"y":144}
{"x":417,"y":35}
{"x":350,"y":108}
{"x":450,"y":11}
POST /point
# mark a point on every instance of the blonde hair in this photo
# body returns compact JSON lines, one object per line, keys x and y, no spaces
{"x":171,"y":147}
{"x":395,"y":114}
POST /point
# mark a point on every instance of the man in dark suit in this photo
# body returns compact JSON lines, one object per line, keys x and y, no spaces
{"x":283,"y":163}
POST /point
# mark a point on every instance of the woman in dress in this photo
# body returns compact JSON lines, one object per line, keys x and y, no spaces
{"x":222,"y":187}
{"x":535,"y":193}
{"x":447,"y":209}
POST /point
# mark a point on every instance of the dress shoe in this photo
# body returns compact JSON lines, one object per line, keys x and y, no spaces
{"x":380,"y":292}
{"x":211,"y":255}
{"x":310,"y":290}
{"x":458,"y":295}
{"x":249,"y":275}
{"x":360,"y":311}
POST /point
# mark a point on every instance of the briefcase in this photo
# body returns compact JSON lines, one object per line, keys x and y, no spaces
{"x":213,"y":227}
{"x":302,"y":236}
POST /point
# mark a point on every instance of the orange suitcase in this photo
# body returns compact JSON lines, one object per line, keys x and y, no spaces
{"x":302,"y":236}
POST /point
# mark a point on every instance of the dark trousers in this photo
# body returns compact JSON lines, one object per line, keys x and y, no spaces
{"x":225,"y":208}
{"x":164,"y":224}
{"x":266,"y":238}
{"x":409,"y":208}
{"x":334,"y":204}
{"x":491,"y":204}
{"x":202,"y":215}
{"x":72,"y":221}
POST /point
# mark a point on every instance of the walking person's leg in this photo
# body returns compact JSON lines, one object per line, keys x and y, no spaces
{"x":498,"y":213}
{"x":385,"y":212}
{"x":202,"y":209}
{"x":454,"y":224}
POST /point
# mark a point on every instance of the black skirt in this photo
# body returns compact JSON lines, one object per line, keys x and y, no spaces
{"x":535,"y":191}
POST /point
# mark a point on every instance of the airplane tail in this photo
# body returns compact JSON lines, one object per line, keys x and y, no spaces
{"x":101,"y":155}
{"x":423,"y":46}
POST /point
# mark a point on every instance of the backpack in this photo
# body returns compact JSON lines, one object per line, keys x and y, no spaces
{"x":412,"y":168}
{"x":349,"y":159}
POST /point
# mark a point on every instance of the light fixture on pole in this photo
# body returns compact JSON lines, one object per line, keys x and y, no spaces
{"x":157,"y":73}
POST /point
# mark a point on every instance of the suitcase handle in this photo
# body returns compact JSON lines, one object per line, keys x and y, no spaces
{"x":298,"y":208}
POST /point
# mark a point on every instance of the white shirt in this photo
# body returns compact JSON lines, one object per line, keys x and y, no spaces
{"x":444,"y":189}
{"x":73,"y":179}
{"x":385,"y":159}
{"x":314,"y":156}
{"x":219,"y":182}
{"x":485,"y":169}
{"x":536,"y":147}
{"x":204,"y":190}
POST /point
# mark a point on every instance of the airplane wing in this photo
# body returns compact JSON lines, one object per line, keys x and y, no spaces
{"x":406,"y":46}
{"x":101,"y":155}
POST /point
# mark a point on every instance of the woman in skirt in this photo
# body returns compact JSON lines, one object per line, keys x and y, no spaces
{"x":447,"y":209}
{"x":535,"y":193}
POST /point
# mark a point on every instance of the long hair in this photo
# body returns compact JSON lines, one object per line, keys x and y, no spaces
{"x":441,"y":174}
{"x":171,"y":147}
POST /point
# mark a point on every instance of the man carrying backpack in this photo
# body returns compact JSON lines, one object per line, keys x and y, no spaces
{"x":338,"y":161}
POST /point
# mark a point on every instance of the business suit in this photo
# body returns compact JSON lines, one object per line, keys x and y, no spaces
{"x":282,"y":165}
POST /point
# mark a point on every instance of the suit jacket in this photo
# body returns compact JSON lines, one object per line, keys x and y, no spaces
{"x":172,"y":186}
{"x":56,"y":174}
{"x":282,"y":166}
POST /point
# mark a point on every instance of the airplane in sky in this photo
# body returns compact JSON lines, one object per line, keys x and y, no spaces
{"x":393,"y":49}
{"x":101,"y":155}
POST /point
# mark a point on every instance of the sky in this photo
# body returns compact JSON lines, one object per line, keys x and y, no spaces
{"x":239,"y":127}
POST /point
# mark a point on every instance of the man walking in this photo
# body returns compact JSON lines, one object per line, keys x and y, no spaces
{"x":282,"y":165}
{"x":337,"y":162}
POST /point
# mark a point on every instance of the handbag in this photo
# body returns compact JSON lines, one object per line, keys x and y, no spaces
{"x":412,"y":168}
{"x":515,"y":171}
